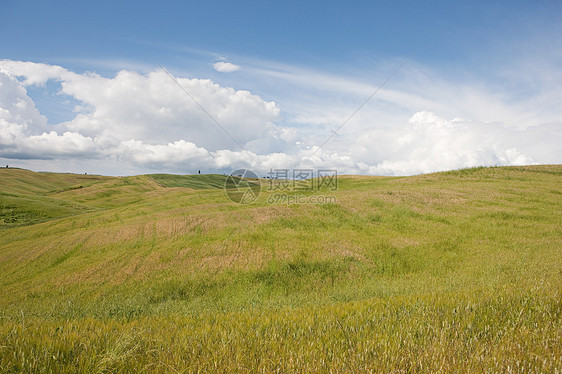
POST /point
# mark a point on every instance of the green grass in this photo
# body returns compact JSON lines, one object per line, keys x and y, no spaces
{"x":197,"y":182}
{"x":26,"y":181}
{"x":455,"y":271}
{"x":19,"y":209}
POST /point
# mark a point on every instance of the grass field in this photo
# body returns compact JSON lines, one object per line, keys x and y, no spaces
{"x":458,"y":271}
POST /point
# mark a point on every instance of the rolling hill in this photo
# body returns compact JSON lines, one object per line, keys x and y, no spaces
{"x":453,"y":271}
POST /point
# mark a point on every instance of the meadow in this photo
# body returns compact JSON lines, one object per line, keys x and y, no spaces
{"x":458,"y":271}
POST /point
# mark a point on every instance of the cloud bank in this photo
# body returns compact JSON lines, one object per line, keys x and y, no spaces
{"x":138,"y":123}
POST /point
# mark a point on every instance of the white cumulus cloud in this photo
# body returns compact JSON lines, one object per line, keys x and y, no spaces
{"x":225,"y":67}
{"x":145,"y":123}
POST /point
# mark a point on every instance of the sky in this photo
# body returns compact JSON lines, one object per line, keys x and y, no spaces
{"x":362,"y":87}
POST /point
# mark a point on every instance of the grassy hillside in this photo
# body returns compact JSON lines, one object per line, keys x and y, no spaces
{"x":28,"y":182}
{"x":27,"y":197}
{"x":198,"y":182}
{"x":455,"y":271}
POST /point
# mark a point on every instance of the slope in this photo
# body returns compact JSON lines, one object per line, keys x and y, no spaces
{"x":448,"y":271}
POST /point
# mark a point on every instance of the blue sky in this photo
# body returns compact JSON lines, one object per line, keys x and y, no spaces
{"x":483,"y":75}
{"x":296,"y":32}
